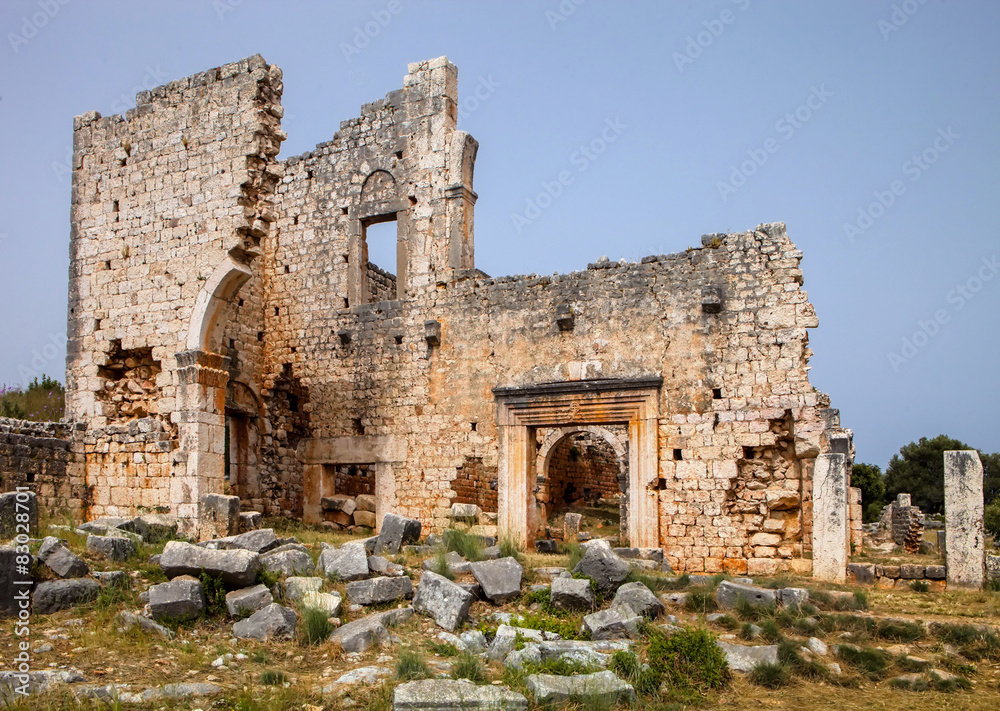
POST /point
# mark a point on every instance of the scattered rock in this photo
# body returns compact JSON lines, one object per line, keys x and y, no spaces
{"x":34,"y":683}
{"x":152,"y":527}
{"x":347,"y":563}
{"x":288,"y":562}
{"x":13,"y":503}
{"x":261,"y":540}
{"x":454,"y":695}
{"x":61,"y":560}
{"x":572,"y":594}
{"x":499,"y":579}
{"x":273,"y":621}
{"x":111,"y":547}
{"x":364,"y":675}
{"x":506,"y":637}
{"x":593,"y":654}
{"x":793,"y":597}
{"x":607,"y":569}
{"x":457,"y":565}
{"x":602,"y":689}
{"x":250,"y":520}
{"x":176,"y":691}
{"x":365,"y":502}
{"x":360,"y":635}
{"x":443,"y":600}
{"x":126,"y":620}
{"x":466,"y":513}
{"x":379,"y":590}
{"x":744,"y":659}
{"x":295,"y":587}
{"x":248,"y":600}
{"x":237,"y":568}
{"x":380,"y":566}
{"x":328,"y":602}
{"x":177,"y":600}
{"x":54,"y":595}
{"x":112,"y":577}
{"x":364,"y":518}
{"x":617,"y":622}
{"x":817,"y":646}
{"x":546,"y":545}
{"x":396,"y":531}
{"x":729,"y":593}
{"x":640,"y":599}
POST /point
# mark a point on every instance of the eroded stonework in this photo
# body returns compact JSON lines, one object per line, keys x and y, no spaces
{"x":226,"y":298}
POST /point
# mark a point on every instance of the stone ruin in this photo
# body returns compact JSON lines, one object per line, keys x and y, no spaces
{"x":903,"y":523}
{"x":227,"y":331}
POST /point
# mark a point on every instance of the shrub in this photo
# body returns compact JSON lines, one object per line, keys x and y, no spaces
{"x":642,"y":677}
{"x":899,"y":630}
{"x":469,"y":666}
{"x":920,"y":586}
{"x":575,"y":551}
{"x":443,"y":649}
{"x":701,"y":601}
{"x":272,"y":677}
{"x":440,"y":566}
{"x":566,"y":628}
{"x":771,"y":676}
{"x":267,"y":578}
{"x":749,"y":631}
{"x":510,"y":549}
{"x":315,"y":626}
{"x":688,"y":661}
{"x":410,"y":666}
{"x":42,"y":401}
{"x":788,"y":654}
{"x":974,"y":643}
{"x":872,"y":663}
{"x":215,"y":593}
{"x":950,"y":684}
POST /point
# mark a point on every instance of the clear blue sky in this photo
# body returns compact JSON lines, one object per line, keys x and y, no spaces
{"x":834,"y":104}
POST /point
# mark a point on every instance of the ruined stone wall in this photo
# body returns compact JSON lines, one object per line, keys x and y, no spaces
{"x":47,"y":458}
{"x":581,"y":467}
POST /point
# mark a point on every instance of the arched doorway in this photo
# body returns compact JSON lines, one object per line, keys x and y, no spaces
{"x":585,"y":470}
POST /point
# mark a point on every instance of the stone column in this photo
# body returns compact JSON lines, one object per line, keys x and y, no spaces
{"x":831,"y":535}
{"x":512,"y":499}
{"x":199,"y":465}
{"x":963,"y":518}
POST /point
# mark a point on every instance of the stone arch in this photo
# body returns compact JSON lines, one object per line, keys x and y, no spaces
{"x":560,"y":433}
{"x":379,"y":186}
{"x":203,"y":330}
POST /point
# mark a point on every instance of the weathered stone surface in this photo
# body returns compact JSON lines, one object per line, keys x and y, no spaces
{"x":240,"y":603}
{"x":61,"y":560}
{"x":260,"y":540}
{"x":177,"y":600}
{"x":607,"y":569}
{"x":55,"y":595}
{"x":604,"y":689}
{"x":443,"y":600}
{"x":467,"y":513}
{"x":10,"y":578}
{"x":861,"y":573}
{"x":347,"y":563}
{"x":499,"y":579}
{"x":152,"y":527}
{"x":817,"y":646}
{"x":184,"y":690}
{"x":37,"y":682}
{"x":271,"y":622}
{"x":571,"y":526}
{"x":640,"y":599}
{"x":250,"y":520}
{"x":396,"y":531}
{"x":935,"y":572}
{"x":360,"y":635}
{"x":963,"y":519}
{"x":546,"y":545}
{"x":112,"y":577}
{"x":593,"y":654}
{"x":572,"y":594}
{"x":911,"y":571}
{"x":328,"y":602}
{"x":295,"y":587}
{"x":743,"y":659}
{"x":379,"y":590}
{"x":831,"y":533}
{"x":218,"y":516}
{"x":288,"y":562}
{"x":111,"y":547}
{"x":729,"y":593}
{"x":380,"y":566}
{"x":793,"y":597}
{"x":454,"y":695}
{"x":237,"y":568}
{"x":126,"y":620}
{"x":355,"y":677}
{"x":457,"y":565}
{"x":507,"y":635}
{"x":781,"y":500}
{"x":616,"y":622}
{"x":364,"y":518}
{"x":365,"y":502}
{"x":13,"y":503}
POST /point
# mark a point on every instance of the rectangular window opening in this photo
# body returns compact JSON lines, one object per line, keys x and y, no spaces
{"x":716,"y":393}
{"x":380,"y":237}
{"x":678,"y":455}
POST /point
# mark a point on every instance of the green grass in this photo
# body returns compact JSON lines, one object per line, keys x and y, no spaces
{"x":469,"y":666}
{"x":576,"y":553}
{"x":411,"y":665}
{"x":789,"y":656}
{"x":642,"y":678}
{"x":42,"y":401}
{"x":689,"y":661}
{"x":314,"y":627}
{"x":510,"y":549}
{"x":442,"y":649}
{"x":658,"y":583}
{"x":215,"y":594}
{"x":272,"y":677}
{"x":858,"y":602}
{"x":700,"y":601}
{"x":567,"y":627}
{"x":973,"y":643}
{"x":871,"y":663}
{"x":466,"y":545}
{"x":440,"y":566}
{"x":770,"y":676}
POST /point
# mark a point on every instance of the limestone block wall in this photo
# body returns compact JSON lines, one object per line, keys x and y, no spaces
{"x":47,"y":457}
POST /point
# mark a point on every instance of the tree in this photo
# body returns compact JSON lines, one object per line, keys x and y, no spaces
{"x":918,"y":470}
{"x":868,"y":478}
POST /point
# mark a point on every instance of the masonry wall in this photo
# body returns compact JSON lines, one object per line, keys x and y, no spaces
{"x":47,"y":458}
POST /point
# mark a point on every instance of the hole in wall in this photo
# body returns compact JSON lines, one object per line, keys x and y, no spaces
{"x":399,"y":340}
{"x":678,"y":455}
{"x":474,"y":426}
{"x":716,"y":393}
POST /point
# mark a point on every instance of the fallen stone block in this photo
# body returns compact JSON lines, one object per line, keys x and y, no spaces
{"x":261,"y":541}
{"x":861,"y":573}
{"x":327,"y":602}
{"x":607,"y":569}
{"x":347,"y":563}
{"x":61,"y":560}
{"x":289,"y":563}
{"x":616,"y":622}
{"x":13,"y":503}
{"x":506,"y":637}
{"x":364,"y":518}
{"x":363,"y":676}
{"x":250,"y":520}
{"x":112,"y":577}
{"x":593,"y":654}
{"x":360,"y":635}
{"x":729,"y":593}
{"x":572,"y":594}
{"x":237,"y":568}
{"x":344,"y":504}
{"x":126,"y":620}
{"x":218,"y":516}
{"x":271,"y":622}
{"x":295,"y":587}
{"x":365,"y":502}
{"x":457,"y":565}
{"x":466,"y":513}
{"x":152,"y":527}
{"x":54,"y":595}
{"x":639,"y":599}
{"x":111,"y":547}
{"x":743,"y":659}
{"x":793,"y":597}
{"x":33,"y":683}
{"x":380,"y":590}
{"x":380,"y":566}
{"x":499,"y":579}
{"x":185,"y":690}
{"x":546,"y":545}
{"x":178,"y":600}
{"x":602,"y":689}
{"x":443,"y":600}
{"x":454,"y":695}
{"x":396,"y":531}
{"x":240,"y":603}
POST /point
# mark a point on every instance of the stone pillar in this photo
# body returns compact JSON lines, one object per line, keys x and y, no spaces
{"x":963,"y":518}
{"x":199,"y":466}
{"x":512,"y":474}
{"x":831,"y":535}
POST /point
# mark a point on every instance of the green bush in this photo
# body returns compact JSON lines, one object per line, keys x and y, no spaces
{"x":42,"y":401}
{"x":566,"y":628}
{"x":440,"y":566}
{"x":411,"y":665}
{"x":469,"y":666}
{"x":991,"y":519}
{"x":642,"y":677}
{"x":215,"y":594}
{"x":315,"y":627}
{"x":973,"y":642}
{"x":700,"y":601}
{"x":443,"y":649}
{"x":272,"y":677}
{"x":872,"y":663}
{"x":466,"y":545}
{"x":689,"y":661}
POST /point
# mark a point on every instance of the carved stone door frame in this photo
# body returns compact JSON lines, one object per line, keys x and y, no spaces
{"x":634,"y":403}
